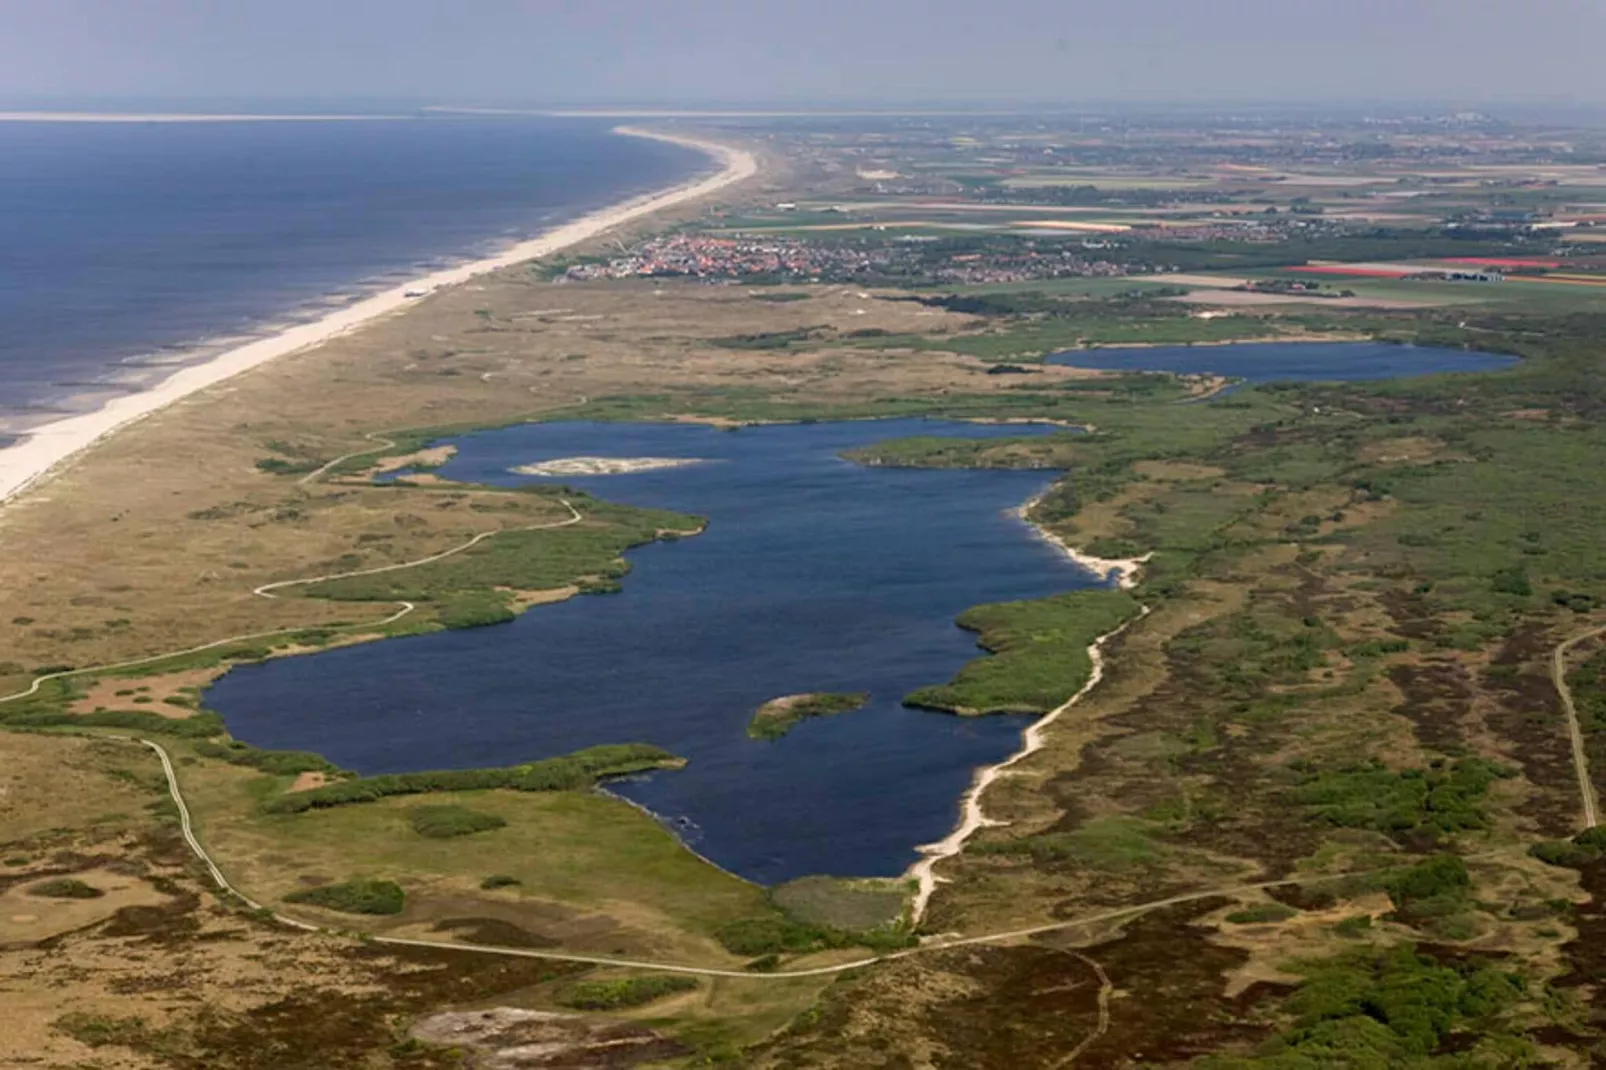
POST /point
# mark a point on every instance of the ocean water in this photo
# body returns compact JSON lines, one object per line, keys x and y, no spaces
{"x":1261,"y":362}
{"x":125,"y":245}
{"x":815,"y":574}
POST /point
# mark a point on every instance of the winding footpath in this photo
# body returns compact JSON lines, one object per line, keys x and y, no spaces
{"x":266,"y":591}
{"x":187,"y":828}
{"x":1575,"y":731}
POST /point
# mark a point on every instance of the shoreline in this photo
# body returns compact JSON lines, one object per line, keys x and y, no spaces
{"x":972,"y":818}
{"x":45,"y":448}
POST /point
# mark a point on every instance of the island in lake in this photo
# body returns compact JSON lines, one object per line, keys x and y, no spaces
{"x":601,"y":466}
{"x":777,"y":716}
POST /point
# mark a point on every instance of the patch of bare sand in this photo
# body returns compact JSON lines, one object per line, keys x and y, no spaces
{"x":27,"y":919}
{"x":1308,"y":934}
{"x":1415,"y":449}
{"x":307,"y":781}
{"x":433,"y":457}
{"x":168,"y":695}
{"x":522,"y":600}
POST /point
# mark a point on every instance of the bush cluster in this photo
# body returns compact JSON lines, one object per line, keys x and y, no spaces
{"x":354,"y":897}
{"x":276,"y":762}
{"x":571,"y":772}
{"x":622,"y":993}
{"x":1439,"y":800}
{"x":445,"y":822}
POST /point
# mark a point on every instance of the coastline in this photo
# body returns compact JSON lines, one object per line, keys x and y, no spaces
{"x":43,"y":449}
{"x":972,"y":817}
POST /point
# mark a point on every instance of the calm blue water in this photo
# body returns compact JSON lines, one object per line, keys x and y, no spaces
{"x":123,"y":242}
{"x":1269,"y":361}
{"x":814,"y":575}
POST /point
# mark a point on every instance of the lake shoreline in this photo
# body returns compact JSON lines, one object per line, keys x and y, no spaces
{"x":972,"y":817}
{"x":45,"y":448}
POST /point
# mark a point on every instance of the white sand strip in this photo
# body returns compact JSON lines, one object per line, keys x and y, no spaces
{"x":46,"y":447}
{"x":971,"y":815}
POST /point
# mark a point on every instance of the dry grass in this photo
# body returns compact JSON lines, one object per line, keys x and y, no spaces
{"x":153,"y":539}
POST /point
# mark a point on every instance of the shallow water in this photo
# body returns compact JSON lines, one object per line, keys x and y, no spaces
{"x":815,"y":574}
{"x":1283,"y":361}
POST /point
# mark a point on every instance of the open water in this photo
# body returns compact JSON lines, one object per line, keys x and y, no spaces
{"x":815,"y":574}
{"x":124,"y":246}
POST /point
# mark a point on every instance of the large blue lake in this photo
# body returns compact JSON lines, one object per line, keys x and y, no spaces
{"x":814,"y":574}
{"x":124,"y":245}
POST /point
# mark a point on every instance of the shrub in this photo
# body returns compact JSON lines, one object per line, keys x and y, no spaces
{"x":65,"y":888}
{"x":276,"y":762}
{"x":354,"y":897}
{"x":200,"y":726}
{"x":1434,"y":801}
{"x":571,"y":772}
{"x":622,"y":993}
{"x":1261,"y":913}
{"x":445,"y":822}
{"x":499,"y":880}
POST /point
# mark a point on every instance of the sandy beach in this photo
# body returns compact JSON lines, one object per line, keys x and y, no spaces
{"x":972,"y":817}
{"x":46,"y":447}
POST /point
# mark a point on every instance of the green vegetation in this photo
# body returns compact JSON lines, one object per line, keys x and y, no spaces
{"x":65,"y":888}
{"x":276,"y":762}
{"x":777,"y":717}
{"x":1111,"y":844}
{"x":1432,"y":893}
{"x":354,"y":897}
{"x":1394,"y":1008}
{"x":1039,"y":653}
{"x":98,"y":1031}
{"x":763,"y":936}
{"x":572,"y":772}
{"x":1261,"y":913}
{"x":771,"y":339}
{"x":444,"y":822}
{"x":624,"y":993}
{"x":41,"y":715}
{"x":1586,"y":848}
{"x":1446,"y":797}
{"x":847,"y":905}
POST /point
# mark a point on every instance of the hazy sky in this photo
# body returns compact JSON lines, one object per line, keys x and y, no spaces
{"x":903,"y":51}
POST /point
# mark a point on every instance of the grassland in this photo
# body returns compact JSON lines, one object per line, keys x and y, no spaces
{"x":1341,"y":684}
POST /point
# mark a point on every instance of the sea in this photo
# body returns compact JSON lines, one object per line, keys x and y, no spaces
{"x":128,"y":247}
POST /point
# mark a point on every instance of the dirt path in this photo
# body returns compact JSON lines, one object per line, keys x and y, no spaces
{"x":266,"y":591}
{"x":1106,"y":990}
{"x":1575,"y":731}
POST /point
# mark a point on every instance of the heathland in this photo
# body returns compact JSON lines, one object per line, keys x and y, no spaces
{"x":1324,"y":807}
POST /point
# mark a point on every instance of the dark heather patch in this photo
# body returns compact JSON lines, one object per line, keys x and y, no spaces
{"x":1528,"y":714}
{"x":1438,"y":699}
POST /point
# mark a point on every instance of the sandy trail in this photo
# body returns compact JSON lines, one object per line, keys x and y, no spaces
{"x":1575,"y":731}
{"x":972,"y":817}
{"x":46,"y":448}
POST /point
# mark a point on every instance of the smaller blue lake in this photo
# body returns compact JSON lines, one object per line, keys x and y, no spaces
{"x":815,"y":574}
{"x":1261,"y":362}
